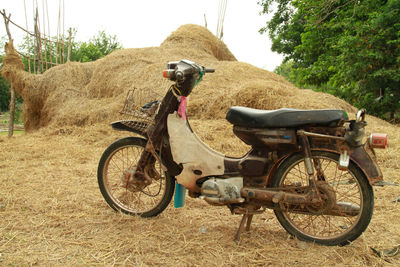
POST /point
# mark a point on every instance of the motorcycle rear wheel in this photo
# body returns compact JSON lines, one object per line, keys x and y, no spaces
{"x":350,"y":186}
{"x":118,"y":159}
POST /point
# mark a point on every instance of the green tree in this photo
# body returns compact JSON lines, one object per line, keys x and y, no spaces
{"x":99,"y":46}
{"x":4,"y":94}
{"x":4,"y":85}
{"x":352,"y":46}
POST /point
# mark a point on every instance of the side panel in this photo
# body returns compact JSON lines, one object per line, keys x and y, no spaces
{"x":197,"y":159}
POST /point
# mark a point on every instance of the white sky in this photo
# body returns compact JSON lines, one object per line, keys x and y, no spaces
{"x":144,"y":23}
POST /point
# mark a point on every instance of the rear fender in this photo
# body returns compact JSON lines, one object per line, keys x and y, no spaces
{"x":359,"y":155}
{"x":363,"y":161}
{"x":367,"y":164}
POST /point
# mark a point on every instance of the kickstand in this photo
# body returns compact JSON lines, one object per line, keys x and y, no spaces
{"x":246,"y":217}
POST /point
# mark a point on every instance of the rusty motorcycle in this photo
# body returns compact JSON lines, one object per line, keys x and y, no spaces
{"x":310,"y":166}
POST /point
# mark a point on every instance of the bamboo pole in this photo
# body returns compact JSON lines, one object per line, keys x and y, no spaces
{"x":28,"y":32}
{"x":58,"y":30}
{"x":63,"y":30}
{"x":38,"y":44}
{"x":48,"y":27}
{"x":69,"y":44}
{"x":27,"y":39}
{"x":12,"y":92}
{"x":44,"y":37}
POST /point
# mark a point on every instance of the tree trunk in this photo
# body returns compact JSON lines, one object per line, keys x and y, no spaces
{"x":12,"y":113}
{"x":392,"y":115}
{"x":12,"y":100}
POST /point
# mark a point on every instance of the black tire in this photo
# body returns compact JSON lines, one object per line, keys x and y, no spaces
{"x":120,"y":157}
{"x":350,"y":186}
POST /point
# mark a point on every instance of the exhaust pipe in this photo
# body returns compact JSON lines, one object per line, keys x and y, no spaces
{"x":302,"y":203}
{"x":273,"y":196}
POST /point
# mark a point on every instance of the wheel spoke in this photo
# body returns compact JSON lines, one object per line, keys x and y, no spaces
{"x":131,"y":199}
{"x":316,"y":226}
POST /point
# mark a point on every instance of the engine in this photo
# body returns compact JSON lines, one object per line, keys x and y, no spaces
{"x":218,"y":191}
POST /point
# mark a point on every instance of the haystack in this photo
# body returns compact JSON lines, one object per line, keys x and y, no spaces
{"x":79,"y":94}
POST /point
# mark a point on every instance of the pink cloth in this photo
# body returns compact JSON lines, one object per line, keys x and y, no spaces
{"x":182,"y":107}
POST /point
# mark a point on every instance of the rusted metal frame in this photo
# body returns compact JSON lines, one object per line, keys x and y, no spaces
{"x":305,"y":144}
{"x":307,"y":148}
{"x":358,"y":155}
{"x":298,"y":201}
{"x":340,"y":209}
{"x":302,"y":132}
{"x":322,"y":145}
{"x":309,"y":163}
{"x":156,"y":132}
{"x":167,"y":158}
{"x":275,"y":195}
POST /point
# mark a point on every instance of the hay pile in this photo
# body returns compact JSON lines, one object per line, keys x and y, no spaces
{"x":51,"y":208}
{"x":87,"y":93}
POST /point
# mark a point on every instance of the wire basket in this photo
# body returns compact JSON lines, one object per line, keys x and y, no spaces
{"x":140,"y":108}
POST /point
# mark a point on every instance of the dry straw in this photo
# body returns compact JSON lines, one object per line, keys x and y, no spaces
{"x":52,"y":213}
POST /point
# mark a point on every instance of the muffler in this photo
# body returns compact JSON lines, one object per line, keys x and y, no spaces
{"x":274,"y":196}
{"x":301,"y":203}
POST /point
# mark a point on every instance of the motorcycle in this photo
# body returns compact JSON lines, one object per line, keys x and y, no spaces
{"x":310,"y":166}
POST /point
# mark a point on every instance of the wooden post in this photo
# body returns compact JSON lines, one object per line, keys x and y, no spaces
{"x":12,"y":100}
{"x":38,"y":43}
{"x":69,"y":44}
{"x":12,"y":112}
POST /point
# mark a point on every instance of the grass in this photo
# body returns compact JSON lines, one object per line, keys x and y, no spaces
{"x":4,"y":120}
{"x":5,"y":117}
{"x":16,"y":132}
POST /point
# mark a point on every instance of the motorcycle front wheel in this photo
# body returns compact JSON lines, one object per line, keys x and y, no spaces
{"x":350,"y":187}
{"x":121,"y":158}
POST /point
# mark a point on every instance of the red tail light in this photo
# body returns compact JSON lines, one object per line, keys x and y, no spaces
{"x":378,"y":140}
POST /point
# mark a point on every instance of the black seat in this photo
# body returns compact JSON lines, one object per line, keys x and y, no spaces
{"x":284,"y":118}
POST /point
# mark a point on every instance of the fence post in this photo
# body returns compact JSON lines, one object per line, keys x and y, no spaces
{"x":69,"y":44}
{"x":12,"y":92}
{"x":38,"y":43}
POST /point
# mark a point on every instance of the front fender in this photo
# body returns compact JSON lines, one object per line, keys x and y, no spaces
{"x":128,"y":125}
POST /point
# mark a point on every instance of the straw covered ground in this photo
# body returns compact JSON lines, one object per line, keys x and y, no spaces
{"x":51,"y":210}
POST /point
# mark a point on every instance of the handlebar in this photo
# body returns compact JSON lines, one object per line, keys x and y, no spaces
{"x":209,"y":70}
{"x":179,"y":70}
